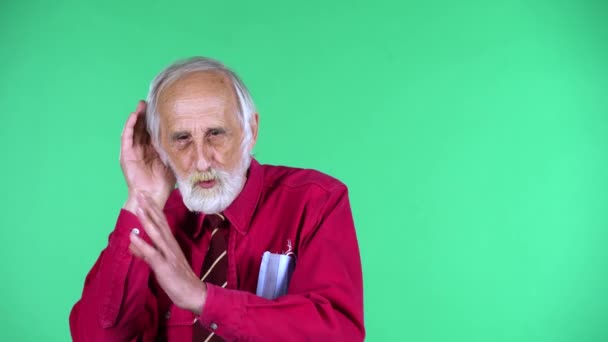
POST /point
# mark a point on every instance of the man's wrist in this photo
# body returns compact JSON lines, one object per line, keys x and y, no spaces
{"x":132,"y":205}
{"x":200,"y":300}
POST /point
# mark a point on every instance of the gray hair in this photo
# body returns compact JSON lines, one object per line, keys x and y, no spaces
{"x":181,"y":68}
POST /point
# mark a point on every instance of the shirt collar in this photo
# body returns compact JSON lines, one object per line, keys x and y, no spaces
{"x":240,"y":211}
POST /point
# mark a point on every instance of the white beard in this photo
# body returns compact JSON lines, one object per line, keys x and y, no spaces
{"x":218,"y":198}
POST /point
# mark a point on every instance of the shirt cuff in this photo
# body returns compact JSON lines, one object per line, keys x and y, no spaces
{"x":126,"y":224}
{"x":223,"y":311}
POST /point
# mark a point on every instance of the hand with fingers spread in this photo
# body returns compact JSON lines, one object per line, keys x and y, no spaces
{"x":165,"y":258}
{"x":141,"y":164}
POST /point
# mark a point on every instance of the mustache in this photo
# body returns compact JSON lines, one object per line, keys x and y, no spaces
{"x":196,"y":177}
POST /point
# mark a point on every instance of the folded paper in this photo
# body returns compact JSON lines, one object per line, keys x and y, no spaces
{"x":275,"y":272}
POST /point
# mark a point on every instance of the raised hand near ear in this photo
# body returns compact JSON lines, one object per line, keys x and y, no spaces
{"x":142,"y":167}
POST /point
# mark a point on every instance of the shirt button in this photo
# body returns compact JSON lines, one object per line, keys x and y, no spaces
{"x":135,"y":231}
{"x":213,"y":326}
{"x":168,"y":315}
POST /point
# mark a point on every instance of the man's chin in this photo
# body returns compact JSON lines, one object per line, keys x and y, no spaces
{"x":205,"y":193}
{"x":201,"y":203}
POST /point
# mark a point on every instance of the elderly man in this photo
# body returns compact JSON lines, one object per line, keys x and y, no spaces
{"x":187,"y":264}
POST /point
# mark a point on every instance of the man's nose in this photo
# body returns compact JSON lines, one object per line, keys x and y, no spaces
{"x":203,"y":158}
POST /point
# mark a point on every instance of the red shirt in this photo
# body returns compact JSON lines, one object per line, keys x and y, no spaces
{"x":121,"y":302}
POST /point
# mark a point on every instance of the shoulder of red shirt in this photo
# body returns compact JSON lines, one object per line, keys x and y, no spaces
{"x":284,"y":176}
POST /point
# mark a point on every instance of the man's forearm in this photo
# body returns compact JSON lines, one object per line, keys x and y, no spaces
{"x":114,"y":299}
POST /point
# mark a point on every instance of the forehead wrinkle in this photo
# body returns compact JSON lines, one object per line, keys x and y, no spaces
{"x":192,"y":114}
{"x":195,"y":108}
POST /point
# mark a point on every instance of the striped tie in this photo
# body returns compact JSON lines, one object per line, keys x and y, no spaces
{"x":214,"y":269}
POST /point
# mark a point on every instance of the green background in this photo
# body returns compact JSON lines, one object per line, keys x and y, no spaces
{"x":472,"y":135}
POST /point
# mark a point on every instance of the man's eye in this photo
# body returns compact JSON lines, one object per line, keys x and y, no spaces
{"x":215,"y":132}
{"x":181,"y":138}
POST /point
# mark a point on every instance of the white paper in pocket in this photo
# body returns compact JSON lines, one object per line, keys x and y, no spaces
{"x":275,"y":272}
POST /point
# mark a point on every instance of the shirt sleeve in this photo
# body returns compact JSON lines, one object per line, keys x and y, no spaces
{"x":325,"y":296}
{"x":116,"y":303}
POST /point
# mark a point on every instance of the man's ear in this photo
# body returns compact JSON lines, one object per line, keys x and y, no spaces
{"x":253,"y":124}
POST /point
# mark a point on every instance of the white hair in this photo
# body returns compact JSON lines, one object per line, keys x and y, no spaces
{"x":179,"y":69}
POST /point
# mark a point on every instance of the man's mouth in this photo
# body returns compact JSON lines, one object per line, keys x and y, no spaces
{"x":207,"y":184}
